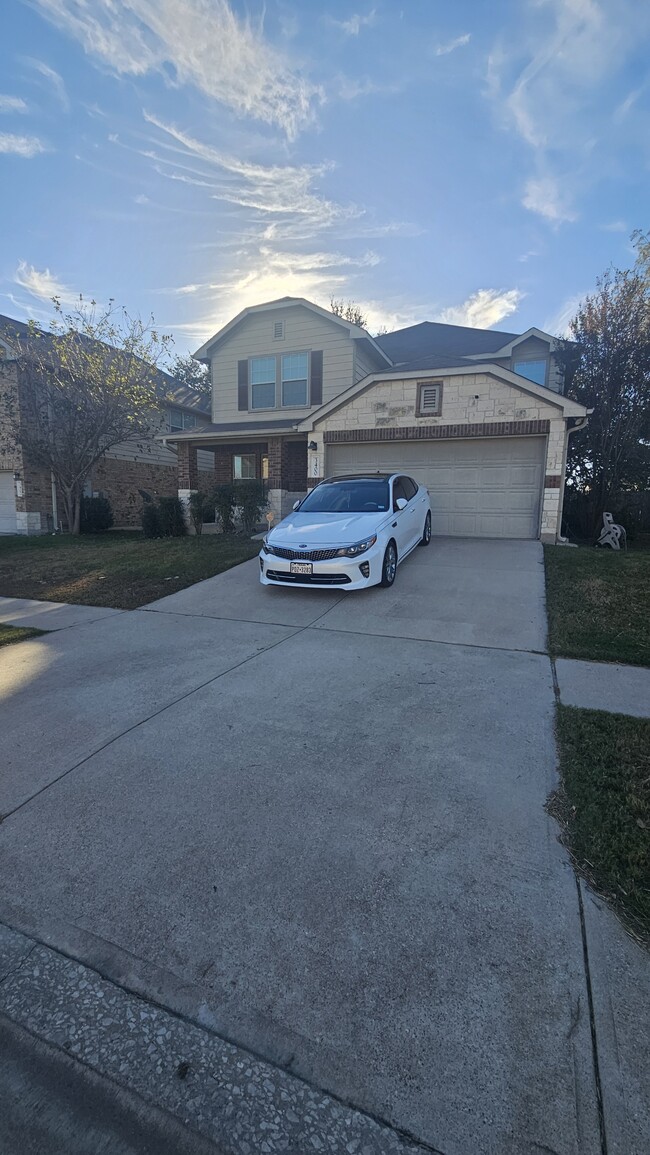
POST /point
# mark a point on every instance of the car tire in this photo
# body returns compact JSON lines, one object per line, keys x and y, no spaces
{"x":389,"y":565}
{"x":426,"y":532}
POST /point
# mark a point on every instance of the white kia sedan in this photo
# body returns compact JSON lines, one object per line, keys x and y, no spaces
{"x":349,"y":531}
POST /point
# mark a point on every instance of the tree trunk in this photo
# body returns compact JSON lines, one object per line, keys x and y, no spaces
{"x":76,"y":525}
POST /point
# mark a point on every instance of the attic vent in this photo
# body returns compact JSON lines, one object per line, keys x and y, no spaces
{"x":278,"y":330}
{"x":429,"y":398}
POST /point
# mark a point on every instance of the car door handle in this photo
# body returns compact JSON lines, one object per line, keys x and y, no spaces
{"x":394,"y":525}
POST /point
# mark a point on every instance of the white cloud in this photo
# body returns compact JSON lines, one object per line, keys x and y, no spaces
{"x":12,"y":104}
{"x":558,"y":323}
{"x":53,"y":79}
{"x":25,"y":146}
{"x":542,"y":195}
{"x":43,"y":284}
{"x":350,"y":88}
{"x":452,"y":45}
{"x":353,"y":25}
{"x":206,"y":43}
{"x":483,"y":310}
{"x":141,"y":199}
{"x":615,"y":227}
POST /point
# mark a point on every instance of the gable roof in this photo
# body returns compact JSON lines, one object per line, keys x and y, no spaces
{"x":167,"y":386}
{"x":429,"y":337}
{"x":354,"y":331}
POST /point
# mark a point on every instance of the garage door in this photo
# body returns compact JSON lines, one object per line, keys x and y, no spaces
{"x":7,"y":502}
{"x":490,"y":487}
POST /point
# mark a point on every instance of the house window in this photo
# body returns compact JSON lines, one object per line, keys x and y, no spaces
{"x":532,"y":371}
{"x":262,"y":382}
{"x":178,"y":419}
{"x":429,"y":399}
{"x":244,"y":466}
{"x":278,"y":330}
{"x":295,"y":368}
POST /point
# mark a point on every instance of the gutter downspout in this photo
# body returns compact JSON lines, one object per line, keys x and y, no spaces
{"x":582,"y":422}
{"x":55,"y":514}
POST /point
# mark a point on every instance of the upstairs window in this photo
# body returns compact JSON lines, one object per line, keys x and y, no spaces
{"x":295,"y":370}
{"x":531,"y":370}
{"x":263,"y":383}
{"x":178,"y":420}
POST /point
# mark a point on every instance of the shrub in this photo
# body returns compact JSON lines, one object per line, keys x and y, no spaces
{"x":199,"y":507}
{"x":223,"y":499}
{"x":251,"y":501}
{"x":151,"y":526}
{"x":172,"y":521}
{"x":96,"y":515}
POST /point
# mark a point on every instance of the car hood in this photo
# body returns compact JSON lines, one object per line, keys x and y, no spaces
{"x":312,"y":529}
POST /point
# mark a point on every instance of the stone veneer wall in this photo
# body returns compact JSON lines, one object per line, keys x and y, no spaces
{"x":471,"y":399}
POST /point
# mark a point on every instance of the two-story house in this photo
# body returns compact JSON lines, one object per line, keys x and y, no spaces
{"x":476,"y":415}
{"x":128,"y":474}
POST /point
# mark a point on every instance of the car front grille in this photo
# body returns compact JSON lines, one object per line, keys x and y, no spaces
{"x":304,"y":554}
{"x":302,"y":579}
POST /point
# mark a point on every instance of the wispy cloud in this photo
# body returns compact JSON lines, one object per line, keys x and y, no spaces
{"x":484,"y":309}
{"x":25,"y":146}
{"x":543,"y":195}
{"x":452,"y":45}
{"x":41,"y":283}
{"x":353,"y":25}
{"x":206,"y":43}
{"x":350,"y":88}
{"x":615,"y":227}
{"x":558,"y":323}
{"x":52,"y":79}
{"x":12,"y":104}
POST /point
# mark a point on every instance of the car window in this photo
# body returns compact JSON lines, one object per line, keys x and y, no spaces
{"x":365,"y":495}
{"x":410,"y":487}
{"x":398,"y":491}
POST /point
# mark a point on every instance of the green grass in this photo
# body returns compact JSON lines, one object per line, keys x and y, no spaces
{"x":11,"y":634}
{"x":122,"y":570}
{"x":598,"y":604}
{"x":604,"y":806}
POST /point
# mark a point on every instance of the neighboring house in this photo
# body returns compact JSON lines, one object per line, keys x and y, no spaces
{"x":128,"y":475}
{"x":477,"y":416}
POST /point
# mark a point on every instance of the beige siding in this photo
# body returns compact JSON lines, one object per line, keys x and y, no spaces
{"x":304,"y":331}
{"x":365,"y":362}
{"x":154,"y":452}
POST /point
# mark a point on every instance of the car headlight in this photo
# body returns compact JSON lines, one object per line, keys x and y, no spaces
{"x":355,"y":550}
{"x":268,"y":548}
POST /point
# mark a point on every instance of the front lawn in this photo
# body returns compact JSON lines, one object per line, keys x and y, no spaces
{"x":603,"y":805}
{"x":122,"y":570}
{"x":11,"y":634}
{"x":598,"y":604}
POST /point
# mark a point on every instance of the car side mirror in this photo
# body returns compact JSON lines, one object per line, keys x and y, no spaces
{"x":401,"y":503}
{"x":296,"y":505}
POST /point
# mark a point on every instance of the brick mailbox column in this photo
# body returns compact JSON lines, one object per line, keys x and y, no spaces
{"x":188,"y":476}
{"x":287,"y":474}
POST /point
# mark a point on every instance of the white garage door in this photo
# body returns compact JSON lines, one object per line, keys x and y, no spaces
{"x":490,"y":487}
{"x":7,"y":502}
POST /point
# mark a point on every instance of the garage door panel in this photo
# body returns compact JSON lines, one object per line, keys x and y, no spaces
{"x":479,"y":488}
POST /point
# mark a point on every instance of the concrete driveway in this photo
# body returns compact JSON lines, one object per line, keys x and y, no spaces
{"x":326,"y":811}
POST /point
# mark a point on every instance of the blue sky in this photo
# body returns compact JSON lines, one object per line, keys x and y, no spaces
{"x":470,"y":162}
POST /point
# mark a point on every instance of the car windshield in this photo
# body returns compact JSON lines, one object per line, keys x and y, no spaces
{"x":356,"y":495}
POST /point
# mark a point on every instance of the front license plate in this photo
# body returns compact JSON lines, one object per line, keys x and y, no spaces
{"x":301,"y":567}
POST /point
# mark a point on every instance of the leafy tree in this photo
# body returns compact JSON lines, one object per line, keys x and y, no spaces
{"x":88,"y":384}
{"x":349,"y":311}
{"x":607,"y":368}
{"x":192,"y":373}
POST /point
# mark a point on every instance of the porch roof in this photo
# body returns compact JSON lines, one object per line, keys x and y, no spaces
{"x":227,"y":430}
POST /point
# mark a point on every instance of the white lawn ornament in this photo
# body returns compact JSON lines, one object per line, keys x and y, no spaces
{"x":611,"y":534}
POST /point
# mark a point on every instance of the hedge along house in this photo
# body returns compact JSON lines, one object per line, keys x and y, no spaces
{"x":128,"y":475}
{"x":477,"y":416}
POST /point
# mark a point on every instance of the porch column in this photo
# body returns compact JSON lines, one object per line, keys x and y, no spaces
{"x":287,"y":474}
{"x":188,"y":477}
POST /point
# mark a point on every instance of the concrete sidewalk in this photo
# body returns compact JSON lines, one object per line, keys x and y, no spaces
{"x":604,"y":686}
{"x":50,"y":615}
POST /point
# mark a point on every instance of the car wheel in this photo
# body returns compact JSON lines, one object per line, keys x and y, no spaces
{"x":426,"y":532}
{"x":389,"y":567}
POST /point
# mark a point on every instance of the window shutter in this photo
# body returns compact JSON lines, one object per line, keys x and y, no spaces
{"x":316,"y":377}
{"x":242,"y":384}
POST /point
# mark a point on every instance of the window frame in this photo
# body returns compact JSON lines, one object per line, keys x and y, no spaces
{"x":532,"y":361}
{"x":306,"y":379}
{"x":421,"y":386}
{"x":252,"y":384}
{"x":188,"y":420}
{"x":278,"y":382}
{"x":242,"y":457}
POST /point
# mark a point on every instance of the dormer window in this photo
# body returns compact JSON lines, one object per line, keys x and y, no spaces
{"x":278,"y":330}
{"x":429,"y":399}
{"x":531,"y":370}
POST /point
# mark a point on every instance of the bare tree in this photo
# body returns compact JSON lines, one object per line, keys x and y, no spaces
{"x":88,"y":384}
{"x":349,"y":311}
{"x":192,"y":373}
